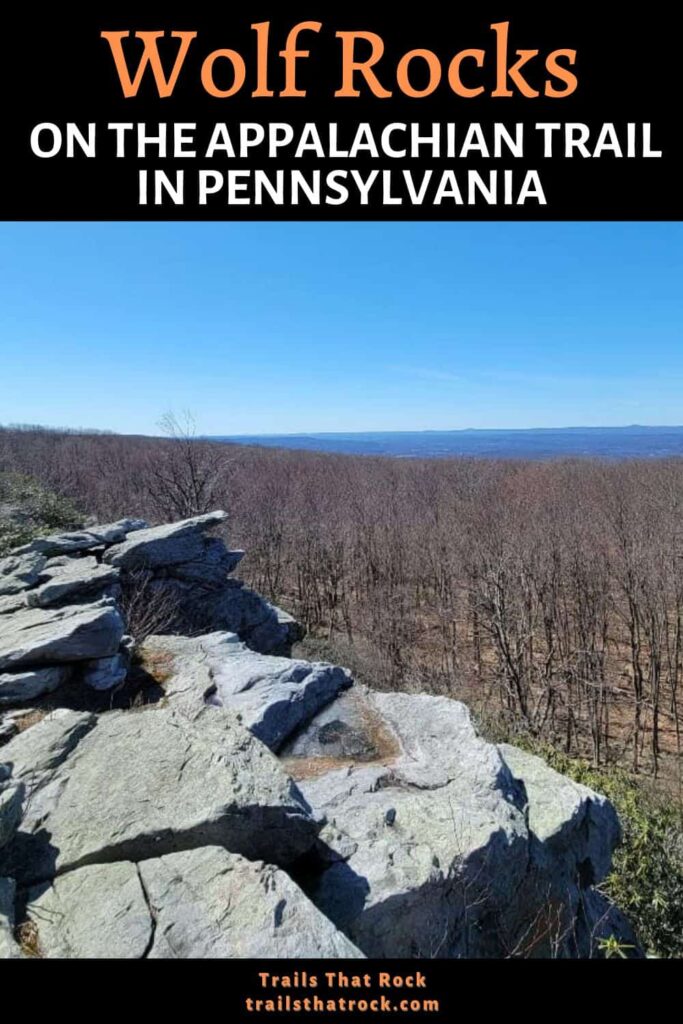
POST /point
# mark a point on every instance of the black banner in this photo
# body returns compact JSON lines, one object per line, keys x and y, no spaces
{"x":414,"y":991}
{"x":320,"y":111}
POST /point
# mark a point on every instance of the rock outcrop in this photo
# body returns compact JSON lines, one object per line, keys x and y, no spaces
{"x":19,"y":571}
{"x":61,"y":601}
{"x":160,"y":547}
{"x":273,"y":696}
{"x":33,"y":637}
{"x":259,"y":805}
{"x":201,"y":903}
{"x":441,"y":844}
{"x":149,"y":783}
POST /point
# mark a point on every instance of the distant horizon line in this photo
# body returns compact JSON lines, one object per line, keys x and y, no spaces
{"x":448,"y":430}
{"x":354,"y":432}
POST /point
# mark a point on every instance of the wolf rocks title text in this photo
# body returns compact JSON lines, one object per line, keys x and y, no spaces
{"x":499,"y":70}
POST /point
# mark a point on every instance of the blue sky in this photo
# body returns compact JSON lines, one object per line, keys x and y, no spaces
{"x":266,"y":328}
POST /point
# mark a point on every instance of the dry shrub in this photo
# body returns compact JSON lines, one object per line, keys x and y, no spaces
{"x":159,"y":665}
{"x":28,"y":939}
{"x":149,"y":606}
{"x":32,"y":717}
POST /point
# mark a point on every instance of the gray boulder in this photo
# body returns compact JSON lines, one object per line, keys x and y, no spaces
{"x":9,"y":950}
{"x":35,"y":754}
{"x":272,"y":696}
{"x":262,"y":626}
{"x":424,"y":843}
{"x":79,"y":579}
{"x":82,"y":540}
{"x":213,"y":566}
{"x":434,"y":846}
{"x":577,"y":829}
{"x":30,"y":684}
{"x":20,"y":571}
{"x":106,"y":673}
{"x":201,"y":903}
{"x":573,"y":832}
{"x":161,"y":546}
{"x":143,"y":784}
{"x":95,"y":912}
{"x":36,"y":637}
{"x":277,"y":633}
{"x":210,"y":903}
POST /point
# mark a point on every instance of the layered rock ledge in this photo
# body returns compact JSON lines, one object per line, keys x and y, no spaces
{"x":243,"y":803}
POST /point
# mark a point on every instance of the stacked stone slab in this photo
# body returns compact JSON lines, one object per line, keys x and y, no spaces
{"x":60,"y":615}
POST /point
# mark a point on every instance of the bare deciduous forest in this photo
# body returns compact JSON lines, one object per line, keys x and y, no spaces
{"x":548,"y":595}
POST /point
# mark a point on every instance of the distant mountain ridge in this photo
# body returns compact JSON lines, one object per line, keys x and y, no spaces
{"x":629,"y":442}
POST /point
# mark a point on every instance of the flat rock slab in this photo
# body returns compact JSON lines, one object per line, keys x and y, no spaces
{"x":198,"y":904}
{"x":82,"y":540}
{"x":29,"y":684}
{"x":143,"y":784}
{"x":34,"y":755}
{"x":211,"y":903}
{"x":272,"y":696}
{"x":95,"y":912}
{"x":20,"y":571}
{"x":34,"y":636}
{"x":165,"y":545}
{"x":79,"y":579}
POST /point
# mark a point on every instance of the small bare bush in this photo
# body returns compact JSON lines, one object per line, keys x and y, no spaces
{"x":148,"y":605}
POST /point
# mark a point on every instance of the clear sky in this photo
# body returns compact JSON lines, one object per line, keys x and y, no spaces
{"x":265,"y":328}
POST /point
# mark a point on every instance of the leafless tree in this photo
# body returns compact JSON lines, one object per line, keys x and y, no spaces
{"x":184,"y":472}
{"x":549,"y":596}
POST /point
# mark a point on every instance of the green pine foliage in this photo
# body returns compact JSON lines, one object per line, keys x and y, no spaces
{"x":646,"y":882}
{"x":28,"y":509}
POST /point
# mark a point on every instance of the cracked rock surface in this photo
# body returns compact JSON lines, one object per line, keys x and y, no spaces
{"x":202,"y":903}
{"x":143,"y":784}
{"x":258,"y":805}
{"x":273,"y":696}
